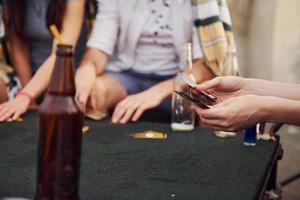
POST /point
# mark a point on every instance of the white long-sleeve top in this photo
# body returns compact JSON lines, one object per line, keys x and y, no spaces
{"x":122,"y":31}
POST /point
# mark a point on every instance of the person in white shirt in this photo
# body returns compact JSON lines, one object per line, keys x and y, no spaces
{"x":133,"y":55}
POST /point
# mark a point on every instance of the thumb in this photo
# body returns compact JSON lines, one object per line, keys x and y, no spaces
{"x":211,"y":84}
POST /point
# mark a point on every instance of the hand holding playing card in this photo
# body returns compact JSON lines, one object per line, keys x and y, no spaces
{"x":201,"y":98}
{"x":224,"y":87}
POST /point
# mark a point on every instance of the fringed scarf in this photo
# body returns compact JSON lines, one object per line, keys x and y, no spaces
{"x":213,"y":24}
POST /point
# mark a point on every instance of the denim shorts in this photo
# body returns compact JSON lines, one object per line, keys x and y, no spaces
{"x":135,"y":82}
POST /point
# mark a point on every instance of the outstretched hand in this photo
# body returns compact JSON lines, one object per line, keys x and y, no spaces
{"x":133,"y":106}
{"x":14,"y":109}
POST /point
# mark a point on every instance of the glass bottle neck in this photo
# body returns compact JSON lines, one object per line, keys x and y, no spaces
{"x":186,"y":60}
{"x":62,"y":80}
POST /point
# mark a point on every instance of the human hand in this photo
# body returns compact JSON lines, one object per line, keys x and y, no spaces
{"x":85,"y":79}
{"x":133,"y":106}
{"x":14,"y":109}
{"x":225,"y":87}
{"x":234,"y":114}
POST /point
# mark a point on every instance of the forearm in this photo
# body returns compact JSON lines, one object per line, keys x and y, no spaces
{"x":279,"y":110}
{"x":95,"y":59}
{"x":70,"y":32}
{"x":20,"y":58}
{"x":39,"y":82}
{"x":163,"y":89}
{"x":201,"y":72}
{"x":272,"y":88}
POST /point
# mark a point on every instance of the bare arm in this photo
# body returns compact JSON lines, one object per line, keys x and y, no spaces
{"x":20,"y":59}
{"x":230,"y":86}
{"x":101,"y":45}
{"x":163,"y":89}
{"x":19,"y":53}
{"x":92,"y":65}
{"x":272,"y":88}
{"x":279,"y":110}
{"x":201,"y":71}
{"x":70,"y":32}
{"x":95,"y":58}
{"x":103,"y":37}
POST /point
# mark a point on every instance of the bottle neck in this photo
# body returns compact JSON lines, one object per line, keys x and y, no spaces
{"x":187,"y":63}
{"x":62,"y":79}
{"x":186,"y":58}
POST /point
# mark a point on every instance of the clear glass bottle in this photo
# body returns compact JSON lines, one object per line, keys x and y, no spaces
{"x":229,"y":68}
{"x":183,"y":115}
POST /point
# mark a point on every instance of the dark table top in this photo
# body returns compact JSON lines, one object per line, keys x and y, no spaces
{"x":195,"y":165}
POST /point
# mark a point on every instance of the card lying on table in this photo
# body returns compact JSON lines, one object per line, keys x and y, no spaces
{"x":150,"y":135}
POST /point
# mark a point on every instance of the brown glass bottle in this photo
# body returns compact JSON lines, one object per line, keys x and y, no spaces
{"x":59,"y":133}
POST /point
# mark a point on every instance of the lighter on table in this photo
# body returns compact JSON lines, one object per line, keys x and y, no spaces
{"x":149,"y":135}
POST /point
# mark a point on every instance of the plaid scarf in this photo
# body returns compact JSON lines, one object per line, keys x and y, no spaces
{"x":213,"y":24}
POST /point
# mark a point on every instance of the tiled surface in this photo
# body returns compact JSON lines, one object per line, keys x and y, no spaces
{"x":290,"y":164}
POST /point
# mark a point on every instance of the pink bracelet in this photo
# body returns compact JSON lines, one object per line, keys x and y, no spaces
{"x":25,"y":94}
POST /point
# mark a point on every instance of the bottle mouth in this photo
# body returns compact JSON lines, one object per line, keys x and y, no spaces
{"x":64,"y":50}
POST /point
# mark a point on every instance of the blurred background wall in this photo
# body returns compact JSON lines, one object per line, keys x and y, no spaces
{"x":268,"y":38}
{"x":268,"y":42}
